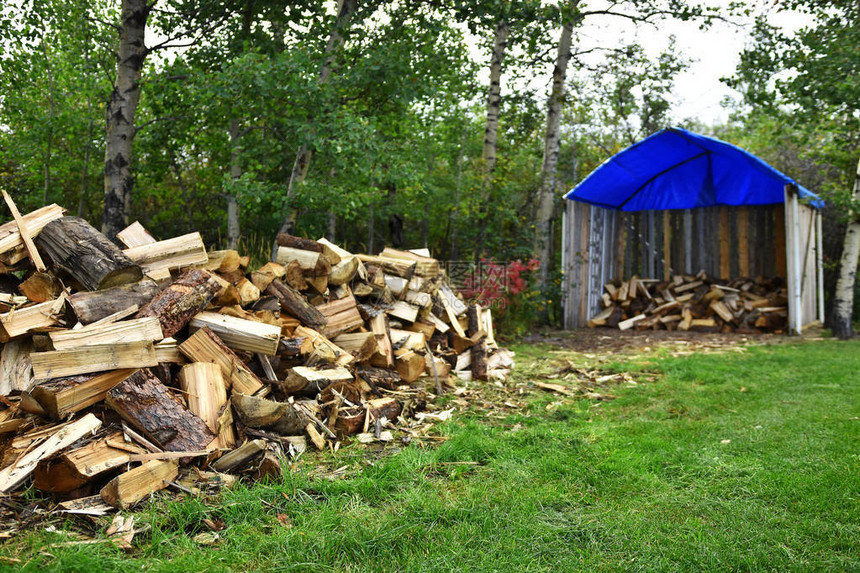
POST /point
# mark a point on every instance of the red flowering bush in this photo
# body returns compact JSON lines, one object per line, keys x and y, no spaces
{"x":507,"y":288}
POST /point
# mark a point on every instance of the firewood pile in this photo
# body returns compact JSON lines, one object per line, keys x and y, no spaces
{"x":696,"y":303}
{"x":125,"y":371}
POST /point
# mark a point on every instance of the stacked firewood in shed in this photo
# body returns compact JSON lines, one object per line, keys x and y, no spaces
{"x":128,"y":370}
{"x":697,"y":303}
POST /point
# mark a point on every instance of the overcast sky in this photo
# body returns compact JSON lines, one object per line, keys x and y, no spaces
{"x":715,"y":52}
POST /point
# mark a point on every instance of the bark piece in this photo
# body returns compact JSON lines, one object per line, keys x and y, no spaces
{"x":95,"y":358}
{"x":93,"y":306}
{"x":239,"y":333}
{"x":205,"y":346}
{"x":75,"y":247}
{"x":63,"y":396}
{"x":132,"y":486}
{"x":145,"y":403}
{"x":295,"y":304}
{"x":13,"y":475}
{"x":181,"y":300}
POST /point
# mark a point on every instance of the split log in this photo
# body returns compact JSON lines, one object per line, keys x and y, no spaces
{"x":286,"y":240}
{"x":226,"y":261}
{"x":380,"y":328}
{"x":379,"y":377}
{"x":322,"y":344}
{"x":146,"y":329}
{"x":341,"y":316}
{"x":240,"y":456}
{"x":14,"y":475}
{"x":205,"y":346}
{"x":410,"y":365}
{"x":73,"y":246}
{"x":93,"y":306}
{"x":425,"y":266}
{"x":75,"y":468}
{"x":206,"y":393}
{"x":303,"y":381}
{"x":308,"y":260}
{"x":94,"y":358}
{"x":279,"y":417}
{"x":145,"y":403}
{"x":132,"y":486}
{"x":239,"y":333}
{"x":35,"y":221}
{"x":157,"y":259}
{"x":16,"y":372}
{"x":181,"y":300}
{"x":403,"y":311}
{"x":23,"y":320}
{"x":248,"y":292}
{"x":362,"y":345}
{"x":344,"y":271}
{"x":63,"y":396}
{"x":352,"y":420}
{"x":41,"y":287}
{"x":135,"y":235}
{"x":479,"y":360}
{"x":294,"y":303}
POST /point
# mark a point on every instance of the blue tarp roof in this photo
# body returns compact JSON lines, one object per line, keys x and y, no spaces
{"x":679,"y":169}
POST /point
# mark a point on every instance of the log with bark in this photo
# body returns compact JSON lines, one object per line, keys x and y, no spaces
{"x":74,"y":247}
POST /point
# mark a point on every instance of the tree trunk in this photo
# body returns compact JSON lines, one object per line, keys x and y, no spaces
{"x":121,"y":109}
{"x":843,"y":303}
{"x":455,"y":212}
{"x":494,"y":101}
{"x":73,"y":246}
{"x":345,"y":10}
{"x":550,"y":156}
{"x":233,"y":228}
{"x":50,"y":139}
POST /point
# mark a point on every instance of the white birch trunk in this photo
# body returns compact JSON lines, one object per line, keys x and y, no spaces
{"x":546,"y":198}
{"x":121,"y":109}
{"x":843,"y":303}
{"x":233,"y":228}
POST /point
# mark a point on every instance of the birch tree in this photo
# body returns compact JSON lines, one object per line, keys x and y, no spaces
{"x":552,"y":139}
{"x":121,"y":111}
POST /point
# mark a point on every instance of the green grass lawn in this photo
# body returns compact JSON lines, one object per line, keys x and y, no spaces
{"x":721,"y":461}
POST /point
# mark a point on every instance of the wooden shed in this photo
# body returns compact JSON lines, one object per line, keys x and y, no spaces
{"x":678,"y":203}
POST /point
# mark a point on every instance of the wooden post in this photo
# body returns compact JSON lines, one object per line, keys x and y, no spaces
{"x":688,"y":241}
{"x":819,"y":251}
{"x":779,"y":218}
{"x":667,"y":247}
{"x":724,"y":243}
{"x":743,"y":242}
